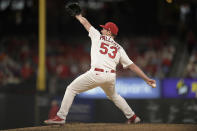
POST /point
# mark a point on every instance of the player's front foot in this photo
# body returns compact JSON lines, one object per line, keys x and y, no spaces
{"x":55,"y":120}
{"x":133,"y":120}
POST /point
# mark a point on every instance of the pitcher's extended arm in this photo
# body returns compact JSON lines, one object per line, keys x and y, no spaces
{"x":133,"y":67}
{"x":83,"y":21}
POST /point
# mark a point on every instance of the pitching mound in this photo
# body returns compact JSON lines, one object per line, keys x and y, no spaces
{"x":112,"y":127}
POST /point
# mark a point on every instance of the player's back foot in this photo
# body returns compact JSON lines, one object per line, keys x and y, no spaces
{"x":133,"y":120}
{"x":55,"y":120}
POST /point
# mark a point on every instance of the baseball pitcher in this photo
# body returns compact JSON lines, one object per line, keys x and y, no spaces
{"x":105,"y":55}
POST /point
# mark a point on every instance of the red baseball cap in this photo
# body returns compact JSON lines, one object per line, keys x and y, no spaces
{"x":111,"y":26}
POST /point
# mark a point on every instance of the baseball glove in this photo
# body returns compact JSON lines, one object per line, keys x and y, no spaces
{"x":73,"y":8}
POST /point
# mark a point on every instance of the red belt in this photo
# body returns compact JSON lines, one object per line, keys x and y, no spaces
{"x":102,"y":70}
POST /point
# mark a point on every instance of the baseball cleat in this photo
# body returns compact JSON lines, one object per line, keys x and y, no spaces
{"x":133,"y":120}
{"x":55,"y":120}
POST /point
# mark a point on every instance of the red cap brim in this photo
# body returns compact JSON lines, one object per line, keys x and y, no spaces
{"x":103,"y":26}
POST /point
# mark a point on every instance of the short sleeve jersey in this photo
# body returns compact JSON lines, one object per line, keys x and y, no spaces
{"x":105,"y":52}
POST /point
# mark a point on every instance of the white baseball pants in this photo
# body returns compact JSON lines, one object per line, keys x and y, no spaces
{"x":89,"y":80}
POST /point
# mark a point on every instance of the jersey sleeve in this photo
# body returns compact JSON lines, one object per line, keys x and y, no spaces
{"x":93,"y":33}
{"x":124,"y":59}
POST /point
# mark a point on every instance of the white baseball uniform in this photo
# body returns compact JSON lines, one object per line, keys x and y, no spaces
{"x":105,"y":55}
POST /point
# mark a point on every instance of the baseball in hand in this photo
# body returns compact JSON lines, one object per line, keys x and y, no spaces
{"x":153,"y":85}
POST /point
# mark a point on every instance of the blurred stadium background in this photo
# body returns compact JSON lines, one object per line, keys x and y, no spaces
{"x":158,"y":35}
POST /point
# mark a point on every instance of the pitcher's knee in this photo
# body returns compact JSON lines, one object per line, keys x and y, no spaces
{"x":71,"y":90}
{"x":113,"y":97}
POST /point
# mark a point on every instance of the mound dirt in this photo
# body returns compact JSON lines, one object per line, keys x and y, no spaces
{"x":111,"y":127}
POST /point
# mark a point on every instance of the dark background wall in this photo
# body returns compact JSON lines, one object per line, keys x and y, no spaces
{"x":17,"y":110}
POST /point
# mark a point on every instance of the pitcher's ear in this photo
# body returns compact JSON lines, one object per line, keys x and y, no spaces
{"x":109,"y":32}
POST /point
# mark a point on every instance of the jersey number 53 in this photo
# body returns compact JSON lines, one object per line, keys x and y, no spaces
{"x":104,"y":49}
